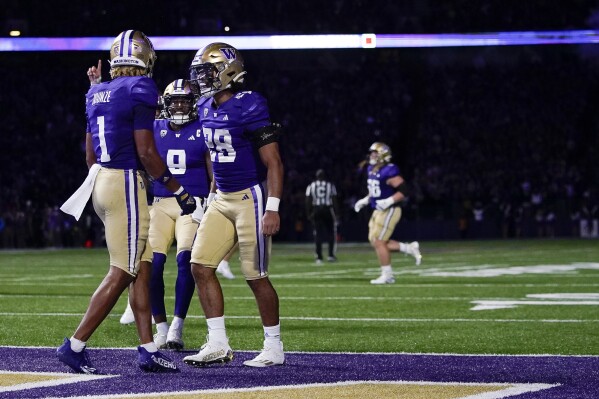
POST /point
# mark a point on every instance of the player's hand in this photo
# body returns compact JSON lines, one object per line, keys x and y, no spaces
{"x":186,"y":202}
{"x":198,"y":214}
{"x":361,"y":204}
{"x":95,"y":74}
{"x":383,"y":204}
{"x":271,"y":222}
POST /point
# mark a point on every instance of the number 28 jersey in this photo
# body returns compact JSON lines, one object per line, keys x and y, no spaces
{"x":228,"y":133}
{"x":114,"y":110}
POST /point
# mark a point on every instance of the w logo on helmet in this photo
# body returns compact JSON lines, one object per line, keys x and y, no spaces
{"x":229,"y":53}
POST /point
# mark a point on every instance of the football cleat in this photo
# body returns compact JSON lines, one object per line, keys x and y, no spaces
{"x":271,"y":355}
{"x":155,"y":362}
{"x":212,"y":352}
{"x":78,"y":361}
{"x":173,"y":339}
{"x":318,"y":262}
{"x":224,"y":270}
{"x":128,"y":317}
{"x":332,"y":259}
{"x":160,"y":340}
{"x":383,"y":279}
{"x":414,"y":250}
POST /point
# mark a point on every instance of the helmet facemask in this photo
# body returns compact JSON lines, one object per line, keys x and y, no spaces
{"x":204,"y":79}
{"x":180,"y":109}
{"x":179,"y":103}
{"x":379,"y":153}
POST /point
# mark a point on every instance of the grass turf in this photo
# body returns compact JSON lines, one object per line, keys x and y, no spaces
{"x":333,"y":308}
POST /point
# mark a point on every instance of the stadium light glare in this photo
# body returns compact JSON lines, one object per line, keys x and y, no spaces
{"x":287,"y":42}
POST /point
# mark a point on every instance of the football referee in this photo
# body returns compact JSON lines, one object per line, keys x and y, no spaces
{"x":322,"y":211}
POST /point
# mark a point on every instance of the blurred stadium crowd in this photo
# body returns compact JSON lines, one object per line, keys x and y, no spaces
{"x":494,"y":142}
{"x":185,"y":17}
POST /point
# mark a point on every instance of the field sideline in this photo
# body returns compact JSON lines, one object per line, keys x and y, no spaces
{"x":524,"y":297}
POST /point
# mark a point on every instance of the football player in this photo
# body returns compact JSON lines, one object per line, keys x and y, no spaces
{"x":180,"y":143}
{"x":119,"y":144}
{"x":248,"y":173}
{"x":386,"y":190}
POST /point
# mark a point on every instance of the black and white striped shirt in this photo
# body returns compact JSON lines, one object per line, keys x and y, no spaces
{"x":321,"y":192}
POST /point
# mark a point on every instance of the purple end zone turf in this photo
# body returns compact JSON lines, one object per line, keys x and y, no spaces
{"x":578,"y":376}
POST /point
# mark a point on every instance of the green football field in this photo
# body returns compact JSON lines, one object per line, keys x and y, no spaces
{"x":467,"y":297}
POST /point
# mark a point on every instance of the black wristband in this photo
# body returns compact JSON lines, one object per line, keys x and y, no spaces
{"x":165,"y":177}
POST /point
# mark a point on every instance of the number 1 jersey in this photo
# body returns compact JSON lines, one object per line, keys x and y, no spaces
{"x":114,"y":110}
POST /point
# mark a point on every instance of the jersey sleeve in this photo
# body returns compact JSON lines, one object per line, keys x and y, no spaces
{"x":391,"y":171}
{"x":254,"y":111}
{"x":144,"y":94}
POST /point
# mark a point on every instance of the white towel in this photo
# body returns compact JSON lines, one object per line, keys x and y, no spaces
{"x":76,"y":203}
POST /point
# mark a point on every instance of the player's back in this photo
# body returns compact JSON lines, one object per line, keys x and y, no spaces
{"x":226,"y":129}
{"x":114,"y":110}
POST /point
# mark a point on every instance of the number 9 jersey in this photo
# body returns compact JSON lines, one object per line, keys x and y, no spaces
{"x":229,"y":131}
{"x":183,"y":152}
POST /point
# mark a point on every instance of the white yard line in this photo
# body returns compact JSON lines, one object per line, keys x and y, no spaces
{"x":349,"y":319}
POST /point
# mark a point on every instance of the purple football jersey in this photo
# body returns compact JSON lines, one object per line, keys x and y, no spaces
{"x":235,"y":161}
{"x":114,"y":110}
{"x":184,"y":153}
{"x":377,"y":182}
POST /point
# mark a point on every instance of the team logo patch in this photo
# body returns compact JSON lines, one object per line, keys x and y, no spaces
{"x":229,"y":53}
{"x":162,"y":133}
{"x":416,"y":376}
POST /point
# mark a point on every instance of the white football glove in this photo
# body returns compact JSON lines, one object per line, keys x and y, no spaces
{"x":211,"y":197}
{"x":383,"y":204}
{"x":198,"y":214}
{"x":361,"y":204}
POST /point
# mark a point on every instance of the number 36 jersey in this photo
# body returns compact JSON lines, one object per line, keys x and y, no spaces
{"x":228,"y":131}
{"x":114,"y":110}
